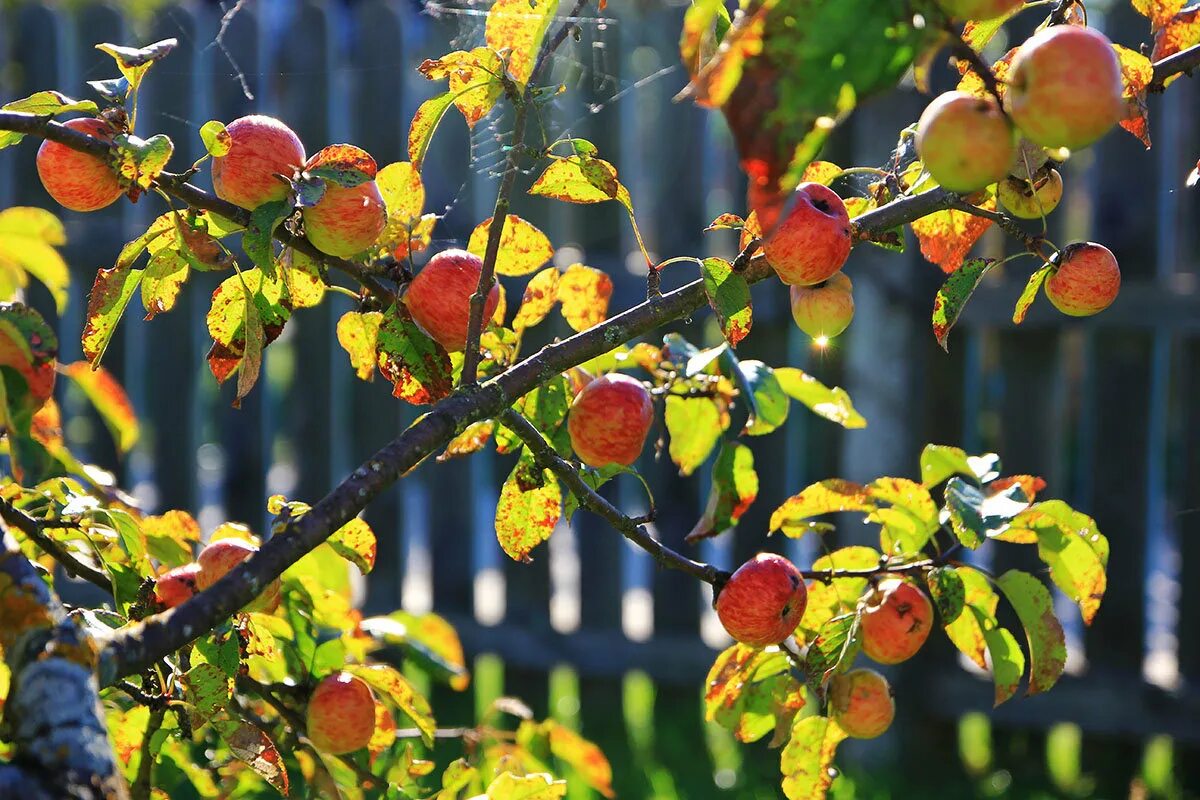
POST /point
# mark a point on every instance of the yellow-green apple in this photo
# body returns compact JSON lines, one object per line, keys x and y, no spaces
{"x":261,"y":150}
{"x":175,"y":586}
{"x":439,"y":298}
{"x":861,"y":703}
{"x":965,"y":142}
{"x":609,"y":420}
{"x":340,"y":717}
{"x":218,"y":557}
{"x":1064,"y":87}
{"x":763,"y":601}
{"x":347,"y":219}
{"x":1031,"y":201}
{"x":824,"y":310}
{"x":896,"y":621}
{"x":811,"y":240}
{"x":79,"y":181}
{"x":1084,"y":279}
{"x":964,"y":10}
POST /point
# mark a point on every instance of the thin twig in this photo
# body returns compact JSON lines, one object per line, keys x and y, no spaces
{"x":33,"y":531}
{"x":1183,"y":62}
{"x":966,"y":53}
{"x":1006,"y":223}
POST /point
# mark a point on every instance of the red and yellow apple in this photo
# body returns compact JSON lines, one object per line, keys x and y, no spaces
{"x":79,"y":181}
{"x":347,"y":219}
{"x":609,"y":420}
{"x":1085,"y":279}
{"x":861,"y":703}
{"x":763,"y":601}
{"x":439,"y":298}
{"x":896,"y":621}
{"x":1031,"y":200}
{"x":340,"y":717}
{"x":965,"y":142}
{"x":261,"y":149}
{"x":824,"y":310}
{"x":812,"y":239}
{"x":175,"y":586}
{"x":1064,"y":87}
{"x":220,"y":557}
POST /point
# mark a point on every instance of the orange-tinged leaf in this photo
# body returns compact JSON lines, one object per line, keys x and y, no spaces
{"x":820,"y":172}
{"x":726,"y":221}
{"x":417,"y":366}
{"x":720,"y":76}
{"x":541,"y":293}
{"x":1136,"y":74}
{"x":523,"y":248}
{"x":518,"y":28}
{"x":807,"y":760}
{"x":972,"y":84}
{"x":385,"y":731}
{"x":355,"y":542}
{"x":171,"y":537}
{"x":1180,"y":32}
{"x":109,"y":400}
{"x":530,"y":506}
{"x":584,"y":757}
{"x":729,"y":296}
{"x":111,"y":293}
{"x":238,"y":333}
{"x":389,"y":682}
{"x":358,"y":334}
{"x":1030,"y":484}
{"x":584,"y":293}
{"x":947,"y":236}
{"x":1159,"y":12}
{"x":253,"y":747}
{"x":474,"y":80}
{"x":473,"y":439}
{"x":819,"y":498}
{"x":424,"y":124}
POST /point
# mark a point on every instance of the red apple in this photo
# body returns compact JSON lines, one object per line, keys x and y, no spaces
{"x":1085,"y":279}
{"x":340,"y":717}
{"x":79,"y":181}
{"x":1064,"y":87}
{"x":1031,"y":201}
{"x":896,"y":621}
{"x":763,"y":601}
{"x":177,"y":585}
{"x":978,"y":10}
{"x":223,"y":555}
{"x":609,"y":420}
{"x":861,"y":703}
{"x":346,"y":220}
{"x":439,"y":298}
{"x":965,"y":142}
{"x":812,"y":240}
{"x":262,"y":148}
{"x":824,"y":310}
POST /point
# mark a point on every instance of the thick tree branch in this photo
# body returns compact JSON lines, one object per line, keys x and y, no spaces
{"x":1183,"y":62}
{"x":178,"y":187}
{"x":590,"y":499}
{"x":32,"y":529}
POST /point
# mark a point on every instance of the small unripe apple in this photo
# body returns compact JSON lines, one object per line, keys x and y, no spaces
{"x":763,"y":602}
{"x":895,"y":622}
{"x":811,"y":241}
{"x":824,"y":310}
{"x":346,"y":220}
{"x":1031,"y":202}
{"x":1064,"y":87}
{"x":340,"y":717}
{"x":861,"y":703}
{"x":965,"y":142}
{"x":1085,"y":279}
{"x":220,"y":556}
{"x":79,"y":181}
{"x":978,"y":10}
{"x":609,"y":420}
{"x":177,"y":585}
{"x":261,"y":149}
{"x":439,"y":298}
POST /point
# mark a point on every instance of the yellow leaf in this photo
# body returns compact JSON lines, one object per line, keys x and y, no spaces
{"x":358,"y":334}
{"x":523,"y":248}
{"x":584,"y":293}
{"x":518,"y":27}
{"x":540,"y":295}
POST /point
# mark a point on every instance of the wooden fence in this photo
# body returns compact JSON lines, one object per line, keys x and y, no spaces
{"x":1102,"y":408}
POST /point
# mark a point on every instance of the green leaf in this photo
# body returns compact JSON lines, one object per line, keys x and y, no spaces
{"x":28,"y":238}
{"x":807,"y":760}
{"x":909,"y":520}
{"x":939,"y":462}
{"x":135,"y":61}
{"x":395,"y":687}
{"x":734,"y":489}
{"x":1008,"y":662}
{"x":1029,"y":293}
{"x":965,"y":629}
{"x":165,"y":275}
{"x":1074,"y":550}
{"x":217,"y":141}
{"x":832,"y":404}
{"x":518,"y":27}
{"x":258,"y":238}
{"x":975,"y":515}
{"x":948,"y":593}
{"x":749,"y":691}
{"x":834,"y":648}
{"x":694,"y":425}
{"x":208,"y":690}
{"x":235,"y":330}
{"x":855,"y":557}
{"x":417,"y":366}
{"x":953,"y":296}
{"x":139,"y":162}
{"x":1035,"y":608}
{"x":823,"y":497}
{"x":536,"y":786}
{"x":427,"y":639}
{"x":729,"y":295}
{"x":355,"y":542}
{"x":253,"y":335}
{"x":424,"y":123}
{"x":530,"y":506}
{"x":110,"y":295}
{"x":48,"y":104}
{"x":770,"y":404}
{"x":109,"y":399}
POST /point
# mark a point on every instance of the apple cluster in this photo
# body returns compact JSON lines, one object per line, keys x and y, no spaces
{"x":175,"y":586}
